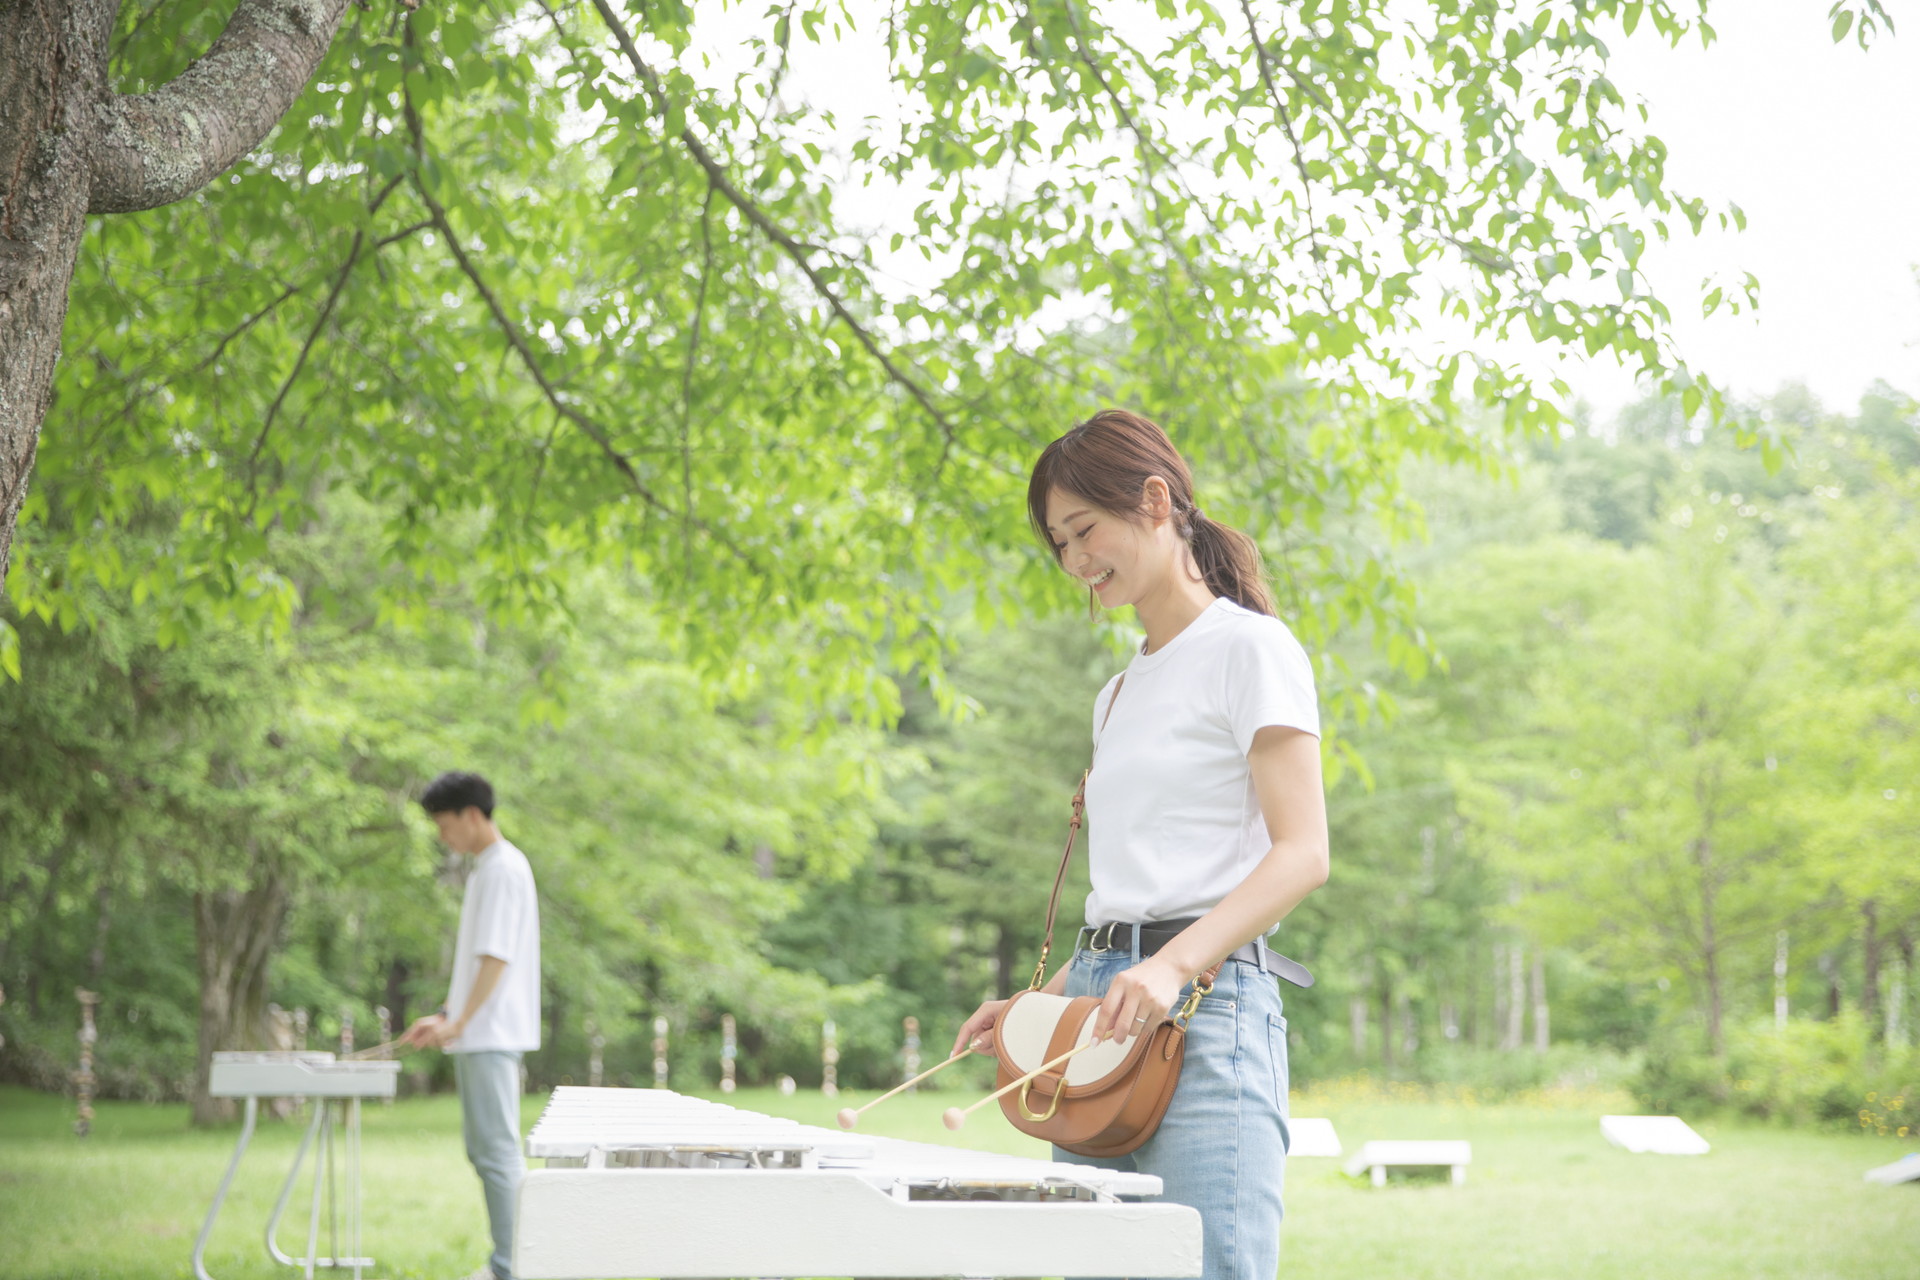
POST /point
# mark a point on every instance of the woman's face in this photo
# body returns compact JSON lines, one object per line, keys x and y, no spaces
{"x":1115,"y":556}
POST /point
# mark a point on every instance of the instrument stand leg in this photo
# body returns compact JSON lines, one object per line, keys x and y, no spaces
{"x":286,"y":1192}
{"x":220,"y":1196}
{"x":353,"y":1186}
{"x":326,"y":1159}
{"x":333,"y":1204}
{"x":322,"y":1157}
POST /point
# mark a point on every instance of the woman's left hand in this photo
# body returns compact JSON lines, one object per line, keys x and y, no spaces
{"x":1138,"y":1000}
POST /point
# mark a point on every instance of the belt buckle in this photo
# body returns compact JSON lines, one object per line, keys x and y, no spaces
{"x":1093,"y":938}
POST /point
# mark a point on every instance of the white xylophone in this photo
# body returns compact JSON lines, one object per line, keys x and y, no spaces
{"x":645,"y":1182}
{"x":336,"y":1086}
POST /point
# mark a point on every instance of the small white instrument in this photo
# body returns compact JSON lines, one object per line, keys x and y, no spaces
{"x":336,"y":1086}
{"x":645,"y":1182}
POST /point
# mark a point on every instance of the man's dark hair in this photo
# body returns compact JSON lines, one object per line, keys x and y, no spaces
{"x":453,"y":792}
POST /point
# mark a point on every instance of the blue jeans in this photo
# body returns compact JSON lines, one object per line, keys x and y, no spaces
{"x":490,"y":1122}
{"x":1222,"y":1146}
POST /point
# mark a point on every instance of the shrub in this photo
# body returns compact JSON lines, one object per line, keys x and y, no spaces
{"x":1828,"y":1073}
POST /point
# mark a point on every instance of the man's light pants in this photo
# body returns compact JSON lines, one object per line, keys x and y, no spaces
{"x":490,"y":1123}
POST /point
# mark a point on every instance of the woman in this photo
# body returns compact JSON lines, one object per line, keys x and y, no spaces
{"x":1206,"y":818}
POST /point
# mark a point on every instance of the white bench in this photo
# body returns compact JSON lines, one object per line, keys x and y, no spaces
{"x":1653,"y":1135}
{"x":1312,"y":1136}
{"x":1378,"y":1157}
{"x":1905,"y":1169}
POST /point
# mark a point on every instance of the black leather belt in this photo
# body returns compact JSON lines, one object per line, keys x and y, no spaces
{"x":1118,"y":936}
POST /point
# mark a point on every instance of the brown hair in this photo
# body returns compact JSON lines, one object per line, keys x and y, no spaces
{"x":1107,"y":460}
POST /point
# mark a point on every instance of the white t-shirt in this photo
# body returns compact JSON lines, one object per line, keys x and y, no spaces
{"x":1173,"y":822}
{"x":499,"y":916}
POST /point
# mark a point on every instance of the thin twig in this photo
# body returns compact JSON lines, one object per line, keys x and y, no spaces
{"x":717,"y":176}
{"x":1265,"y":62}
{"x":299,"y":363}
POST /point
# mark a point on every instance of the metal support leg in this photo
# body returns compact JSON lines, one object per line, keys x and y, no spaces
{"x":286,"y":1191}
{"x":322,"y":1158}
{"x":326,"y":1162}
{"x":353,"y":1187}
{"x":220,"y":1196}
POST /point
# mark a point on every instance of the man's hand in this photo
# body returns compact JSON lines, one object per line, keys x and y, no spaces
{"x":435,"y":1031}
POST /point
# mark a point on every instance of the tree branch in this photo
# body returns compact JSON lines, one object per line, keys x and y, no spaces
{"x":156,"y":148}
{"x":1264,"y":60}
{"x":717,"y":176}
{"x":300,"y":361}
{"x":593,"y":430}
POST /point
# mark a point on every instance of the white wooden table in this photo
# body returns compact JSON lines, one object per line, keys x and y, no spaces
{"x":336,"y":1088}
{"x":1375,"y":1158}
{"x":645,"y":1182}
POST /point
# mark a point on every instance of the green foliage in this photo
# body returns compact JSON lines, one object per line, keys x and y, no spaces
{"x":1831,"y":1074}
{"x":614,"y":305}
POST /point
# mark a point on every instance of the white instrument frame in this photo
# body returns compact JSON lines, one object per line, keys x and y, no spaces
{"x":336,"y":1089}
{"x":649,"y":1182}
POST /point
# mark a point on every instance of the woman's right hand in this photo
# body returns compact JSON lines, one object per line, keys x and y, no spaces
{"x":971,"y":1031}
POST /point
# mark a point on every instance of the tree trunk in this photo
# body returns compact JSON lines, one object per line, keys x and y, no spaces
{"x":1870,"y":963}
{"x":43,"y":923}
{"x":1540,"y":1020}
{"x":1710,"y":946}
{"x":1006,"y":960}
{"x":1386,"y":1024}
{"x":1500,"y":992}
{"x":1894,"y":1025}
{"x":396,"y":998}
{"x":102,"y":927}
{"x":53,"y":63}
{"x":1516,"y":997}
{"x":1780,"y":981}
{"x":234,"y":937}
{"x":70,"y":146}
{"x":1902,"y":1036}
{"x":1357,"y":1026}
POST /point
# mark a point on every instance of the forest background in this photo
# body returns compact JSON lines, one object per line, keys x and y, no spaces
{"x":473,"y":425}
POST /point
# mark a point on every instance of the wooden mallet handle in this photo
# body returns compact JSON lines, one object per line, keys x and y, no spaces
{"x":955,"y":1117}
{"x":849,"y":1116}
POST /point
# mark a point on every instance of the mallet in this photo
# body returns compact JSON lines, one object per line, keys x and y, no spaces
{"x":955,"y":1117}
{"x":850,"y":1115}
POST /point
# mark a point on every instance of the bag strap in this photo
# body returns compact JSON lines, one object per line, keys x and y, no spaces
{"x":1066,"y":854}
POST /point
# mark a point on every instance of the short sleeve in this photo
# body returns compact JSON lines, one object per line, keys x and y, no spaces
{"x":496,"y":924}
{"x":1269,"y":681}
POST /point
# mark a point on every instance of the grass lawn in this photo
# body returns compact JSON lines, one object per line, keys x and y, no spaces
{"x":1546,"y":1197}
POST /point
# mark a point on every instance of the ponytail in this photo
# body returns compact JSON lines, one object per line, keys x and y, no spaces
{"x":1229,"y":562}
{"x":1107,"y":460}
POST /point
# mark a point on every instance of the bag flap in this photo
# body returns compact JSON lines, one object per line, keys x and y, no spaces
{"x":1028,"y":1024}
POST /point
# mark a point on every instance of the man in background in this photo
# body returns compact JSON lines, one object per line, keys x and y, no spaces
{"x":492,"y":1014}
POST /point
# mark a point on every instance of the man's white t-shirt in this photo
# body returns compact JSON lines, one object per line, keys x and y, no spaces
{"x":1173,"y":822}
{"x":499,"y":916}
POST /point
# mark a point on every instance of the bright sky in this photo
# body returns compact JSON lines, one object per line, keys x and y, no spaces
{"x":1820,"y":145}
